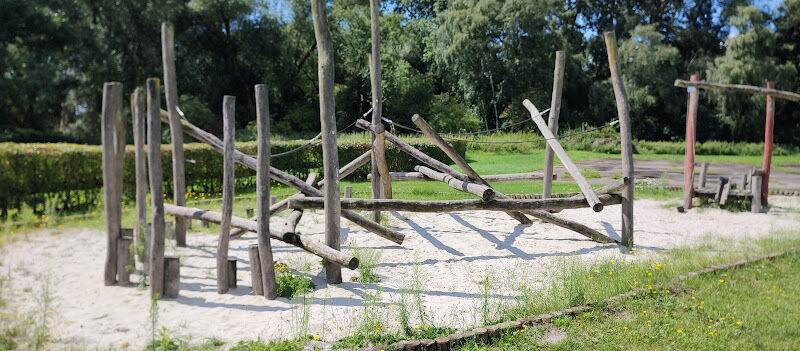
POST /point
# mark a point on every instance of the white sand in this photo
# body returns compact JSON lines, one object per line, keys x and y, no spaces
{"x":455,"y":251}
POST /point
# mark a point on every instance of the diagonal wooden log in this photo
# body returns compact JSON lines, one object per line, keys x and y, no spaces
{"x":288,"y":179}
{"x":351,"y":167}
{"x":460,"y":161}
{"x":415,"y":153}
{"x":562,"y":155}
{"x":454,"y":205}
{"x":276,"y":208}
{"x":484,"y":192}
{"x":312,"y":246}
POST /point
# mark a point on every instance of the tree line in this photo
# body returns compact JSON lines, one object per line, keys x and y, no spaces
{"x":464,"y":65}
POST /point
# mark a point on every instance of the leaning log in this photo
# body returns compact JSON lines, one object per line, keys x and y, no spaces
{"x":288,"y":179}
{"x":415,"y":153}
{"x":573,"y":170}
{"x":460,"y":161}
{"x":312,"y":246}
{"x":484,"y":192}
{"x":454,"y":205}
{"x":351,"y":167}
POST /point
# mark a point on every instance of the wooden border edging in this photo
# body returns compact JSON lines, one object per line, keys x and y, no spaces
{"x":487,"y":334}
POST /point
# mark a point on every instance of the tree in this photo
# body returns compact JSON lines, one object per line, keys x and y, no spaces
{"x":751,"y":57}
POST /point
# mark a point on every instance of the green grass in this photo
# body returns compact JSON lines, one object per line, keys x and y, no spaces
{"x":744,"y":308}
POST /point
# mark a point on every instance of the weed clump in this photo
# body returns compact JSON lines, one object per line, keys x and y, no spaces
{"x":290,"y":284}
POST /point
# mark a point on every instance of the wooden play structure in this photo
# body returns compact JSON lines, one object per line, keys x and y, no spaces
{"x":164,"y":272}
{"x":758,"y":178}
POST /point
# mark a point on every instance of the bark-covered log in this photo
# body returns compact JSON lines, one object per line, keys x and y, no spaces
{"x":491,"y":178}
{"x":484,"y":192}
{"x":454,"y":205}
{"x":266,"y":263}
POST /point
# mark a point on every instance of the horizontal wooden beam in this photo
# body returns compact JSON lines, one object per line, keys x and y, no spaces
{"x":454,"y":205}
{"x":782,"y":94}
{"x":312,"y":246}
{"x":491,"y":178}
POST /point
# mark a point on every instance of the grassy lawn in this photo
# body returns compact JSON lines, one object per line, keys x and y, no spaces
{"x":744,"y":308}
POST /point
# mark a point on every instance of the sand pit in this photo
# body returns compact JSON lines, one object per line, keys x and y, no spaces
{"x":455,"y":251}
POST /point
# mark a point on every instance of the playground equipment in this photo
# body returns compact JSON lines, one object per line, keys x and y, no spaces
{"x":164,"y":273}
{"x":759,"y":192}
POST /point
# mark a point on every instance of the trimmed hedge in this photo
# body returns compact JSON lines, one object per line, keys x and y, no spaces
{"x":70,"y":176}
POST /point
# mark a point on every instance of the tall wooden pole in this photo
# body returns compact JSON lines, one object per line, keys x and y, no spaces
{"x":228,"y":123}
{"x":625,"y":138}
{"x":377,"y":106}
{"x":327,"y":116}
{"x":171,"y":91}
{"x":691,"y":133}
{"x":552,"y":122}
{"x":113,"y":138}
{"x":769,"y":126}
{"x":156,"y":248}
{"x":267,"y":271}
{"x":139,"y":134}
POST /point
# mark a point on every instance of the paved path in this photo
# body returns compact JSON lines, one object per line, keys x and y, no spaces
{"x":672,"y":171}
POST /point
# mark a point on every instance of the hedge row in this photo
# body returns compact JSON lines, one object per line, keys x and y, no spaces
{"x":70,"y":176}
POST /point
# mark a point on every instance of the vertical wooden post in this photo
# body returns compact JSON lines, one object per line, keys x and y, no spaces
{"x":552,"y":122}
{"x":625,"y":138}
{"x":267,"y":271}
{"x":378,"y":154}
{"x":124,"y":259}
{"x":255,"y":270}
{"x":383,"y":168}
{"x":348,"y":191}
{"x":755,"y":189}
{"x":139,"y":127}
{"x":231,"y":273}
{"x":327,"y":109}
{"x":228,"y":123}
{"x":156,"y":247}
{"x":172,"y":276}
{"x":688,"y":161}
{"x":703,"y":175}
{"x":273,"y":199}
{"x":769,"y":126}
{"x":113,"y":137}
{"x":744,"y":181}
{"x":176,"y":133}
